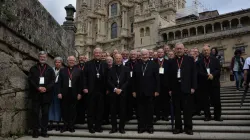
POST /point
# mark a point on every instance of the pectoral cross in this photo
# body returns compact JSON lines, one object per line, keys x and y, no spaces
{"x":98,"y":75}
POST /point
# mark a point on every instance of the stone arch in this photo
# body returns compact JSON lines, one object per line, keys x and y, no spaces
{"x":192,"y":31}
{"x":142,"y":32}
{"x":185,"y":33}
{"x":234,"y":23}
{"x":225,"y":25}
{"x":147,"y":31}
{"x":217,"y":27}
{"x":200,"y":30}
{"x":178,"y":34}
{"x":209,"y":28}
{"x":114,"y":30}
{"x":164,"y":37}
{"x":245,"y":21}
{"x":170,"y":36}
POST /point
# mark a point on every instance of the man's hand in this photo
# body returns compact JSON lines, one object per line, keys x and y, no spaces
{"x":79,"y":97}
{"x":118,"y":91}
{"x":170,"y":93}
{"x":59,"y":96}
{"x":85,"y":91}
{"x":156,"y":94}
{"x":107,"y":92}
{"x":134,"y":94}
{"x":192,"y":91}
{"x":42,"y":89}
{"x":210,"y":76}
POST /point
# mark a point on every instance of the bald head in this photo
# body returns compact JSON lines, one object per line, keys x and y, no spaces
{"x":206,"y":51}
{"x":118,"y":59}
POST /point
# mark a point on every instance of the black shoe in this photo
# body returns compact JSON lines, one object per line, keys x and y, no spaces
{"x":72,"y":130}
{"x":35,"y":134}
{"x":156,"y":119}
{"x":45,"y":135}
{"x":189,"y":132}
{"x":113,"y":131}
{"x":150,"y":131}
{"x":177,"y":131}
{"x":64,"y":129}
{"x":207,"y":119}
{"x":122,"y":131}
{"x":99,"y":130}
{"x":50,"y":128}
{"x":92,"y":131}
{"x":58,"y":128}
{"x":140,"y":131}
{"x":218,"y":119}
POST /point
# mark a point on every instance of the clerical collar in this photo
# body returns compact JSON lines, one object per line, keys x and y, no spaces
{"x":119,"y":65}
{"x":179,"y":57}
{"x":145,"y":62}
{"x":57,"y":69}
{"x":40,"y":64}
{"x":160,"y":59}
{"x":97,"y":61}
{"x":82,"y":64}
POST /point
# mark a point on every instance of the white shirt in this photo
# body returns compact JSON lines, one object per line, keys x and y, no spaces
{"x":125,"y":61}
{"x":247,"y":63}
{"x":160,"y":59}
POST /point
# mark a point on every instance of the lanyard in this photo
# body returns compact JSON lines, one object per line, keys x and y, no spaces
{"x":161,"y":62}
{"x":132,"y":65}
{"x":41,"y":72}
{"x":179,"y":64}
{"x":97,"y":70}
{"x":206,"y":63}
{"x":80,"y":67}
{"x":70,"y":74}
{"x":143,"y":70}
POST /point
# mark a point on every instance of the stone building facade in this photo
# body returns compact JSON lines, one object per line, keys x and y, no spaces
{"x":25,"y":29}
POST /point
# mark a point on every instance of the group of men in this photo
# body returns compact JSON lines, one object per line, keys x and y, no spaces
{"x":140,"y":83}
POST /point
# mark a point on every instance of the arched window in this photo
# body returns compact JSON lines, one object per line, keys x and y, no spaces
{"x":114,"y":30}
{"x":142,"y":32}
{"x":147,"y":31}
{"x":113,"y":9}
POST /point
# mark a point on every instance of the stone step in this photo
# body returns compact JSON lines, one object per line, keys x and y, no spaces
{"x":233,"y":95}
{"x":234,"y":108}
{"x":234,"y":98}
{"x":234,"y":101}
{"x":234,"y":104}
{"x":156,"y":135}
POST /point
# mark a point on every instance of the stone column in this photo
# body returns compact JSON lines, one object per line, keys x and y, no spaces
{"x":221,"y":26}
{"x":181,"y":34}
{"x":188,"y":32}
{"x":204,"y":29}
{"x":196,"y":29}
{"x":174,"y":35}
{"x":230,"y":24}
{"x":212,"y":28}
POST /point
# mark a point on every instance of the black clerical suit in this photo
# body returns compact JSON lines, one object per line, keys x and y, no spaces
{"x":82,"y":104}
{"x":131,"y":101}
{"x":162,"y":105}
{"x":69,"y":94}
{"x":146,"y":82}
{"x":118,"y":77}
{"x":95,"y":80}
{"x":210,"y":88}
{"x":41,"y":100}
{"x":181,"y":89}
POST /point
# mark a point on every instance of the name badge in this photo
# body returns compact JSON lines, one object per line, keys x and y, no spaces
{"x":208,"y":70}
{"x":161,"y":70}
{"x":70,"y":83}
{"x":131,"y":73}
{"x":41,"y":81}
{"x":179,"y":73}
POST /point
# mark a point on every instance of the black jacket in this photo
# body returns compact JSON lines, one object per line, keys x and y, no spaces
{"x":214,"y":70}
{"x":63,"y":82}
{"x":123,"y":79}
{"x":49,"y":80}
{"x":150,"y":82}
{"x":90,"y":75}
{"x":164,"y":87}
{"x":188,"y":75}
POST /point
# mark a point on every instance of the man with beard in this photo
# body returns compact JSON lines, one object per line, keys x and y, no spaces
{"x":41,"y":81}
{"x":82,"y":104}
{"x":209,"y":80}
{"x":95,"y":77}
{"x":183,"y":77}
{"x":118,"y":78}
{"x":131,"y":101}
{"x":162,"y":105}
{"x":146,"y":86}
{"x":69,"y":92}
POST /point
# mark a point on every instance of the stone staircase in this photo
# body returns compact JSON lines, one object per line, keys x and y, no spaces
{"x":236,"y":124}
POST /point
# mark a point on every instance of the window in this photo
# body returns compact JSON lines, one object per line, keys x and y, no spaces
{"x":142,"y":32}
{"x":114,"y":9}
{"x":114,"y":30}
{"x":147,"y":31}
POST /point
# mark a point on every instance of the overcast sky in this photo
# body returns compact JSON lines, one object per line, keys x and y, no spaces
{"x":56,"y":7}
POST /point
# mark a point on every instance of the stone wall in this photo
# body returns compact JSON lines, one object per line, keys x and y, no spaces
{"x":25,"y":29}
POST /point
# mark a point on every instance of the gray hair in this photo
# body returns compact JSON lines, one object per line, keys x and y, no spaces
{"x":144,"y":50}
{"x":58,"y":59}
{"x":97,"y":49}
{"x":71,"y":56}
{"x":42,"y":53}
{"x":179,"y":43}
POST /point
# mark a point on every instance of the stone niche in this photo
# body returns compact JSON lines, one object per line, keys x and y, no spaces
{"x":25,"y":29}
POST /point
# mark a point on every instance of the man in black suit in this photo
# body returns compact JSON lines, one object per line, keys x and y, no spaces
{"x":162,"y":105}
{"x":131,"y":101}
{"x":82,"y":104}
{"x":69,"y":92}
{"x":118,"y":78}
{"x":95,"y":85}
{"x":209,"y":80}
{"x":41,"y":82}
{"x":146,"y":86}
{"x":183,"y":77}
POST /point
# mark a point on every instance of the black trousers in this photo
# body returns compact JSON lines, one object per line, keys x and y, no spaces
{"x":131,"y":106}
{"x":162,"y":105}
{"x":106,"y":107}
{"x":81,"y":108}
{"x":183,"y":101}
{"x":38,"y":105}
{"x":69,"y":102}
{"x":118,"y":107}
{"x":145,"y":111}
{"x":95,"y":110}
{"x":212,"y":93}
